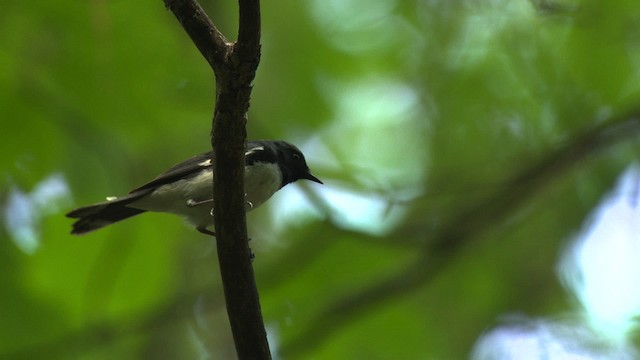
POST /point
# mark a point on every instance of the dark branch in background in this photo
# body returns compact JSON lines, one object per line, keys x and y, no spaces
{"x":468,"y":225}
{"x":234,"y":65}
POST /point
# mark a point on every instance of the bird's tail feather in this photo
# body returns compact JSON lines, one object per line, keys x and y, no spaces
{"x":94,"y":217}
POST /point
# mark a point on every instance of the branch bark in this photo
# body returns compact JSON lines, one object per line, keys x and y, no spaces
{"x":234,"y":65}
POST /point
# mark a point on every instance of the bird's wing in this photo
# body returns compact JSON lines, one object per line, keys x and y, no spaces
{"x":179,"y":171}
{"x":254,"y":152}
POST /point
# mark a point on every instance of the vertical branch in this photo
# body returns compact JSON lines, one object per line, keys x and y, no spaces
{"x":249,"y":28}
{"x":234,"y":65}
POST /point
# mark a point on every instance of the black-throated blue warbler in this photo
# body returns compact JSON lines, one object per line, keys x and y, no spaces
{"x":186,"y":189}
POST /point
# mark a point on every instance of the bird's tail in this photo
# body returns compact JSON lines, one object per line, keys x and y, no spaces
{"x":94,"y":217}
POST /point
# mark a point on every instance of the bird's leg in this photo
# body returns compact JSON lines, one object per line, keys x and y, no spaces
{"x":202,"y":229}
{"x":192,"y":203}
{"x":205,"y":231}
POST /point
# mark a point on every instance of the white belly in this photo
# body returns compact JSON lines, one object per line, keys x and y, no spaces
{"x":262,"y":180}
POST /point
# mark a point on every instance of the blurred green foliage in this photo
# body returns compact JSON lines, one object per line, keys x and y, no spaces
{"x":446,"y":116}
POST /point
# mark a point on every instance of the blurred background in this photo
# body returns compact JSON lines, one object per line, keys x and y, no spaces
{"x":480,"y":160}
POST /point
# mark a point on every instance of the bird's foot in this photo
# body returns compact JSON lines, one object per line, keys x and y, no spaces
{"x":192,"y":203}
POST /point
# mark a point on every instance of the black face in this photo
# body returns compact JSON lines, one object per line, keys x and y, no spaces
{"x":292,"y":163}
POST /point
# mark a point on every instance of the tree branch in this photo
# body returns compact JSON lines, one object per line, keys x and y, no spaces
{"x":213,"y":45}
{"x":249,"y":28}
{"x":234,"y":65}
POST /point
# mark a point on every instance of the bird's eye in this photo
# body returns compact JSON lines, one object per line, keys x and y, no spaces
{"x":297,"y":157}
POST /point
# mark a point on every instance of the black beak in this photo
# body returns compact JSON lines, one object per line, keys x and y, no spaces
{"x":308,"y":176}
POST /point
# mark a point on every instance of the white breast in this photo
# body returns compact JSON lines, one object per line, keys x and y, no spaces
{"x":262,"y":180}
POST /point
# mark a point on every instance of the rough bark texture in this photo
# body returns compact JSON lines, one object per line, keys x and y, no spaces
{"x":234,"y":65}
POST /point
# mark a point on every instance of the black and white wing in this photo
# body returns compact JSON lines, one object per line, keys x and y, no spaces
{"x":255,"y":151}
{"x":183,"y":170}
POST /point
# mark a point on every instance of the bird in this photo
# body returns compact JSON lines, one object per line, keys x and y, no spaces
{"x":186,"y":189}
